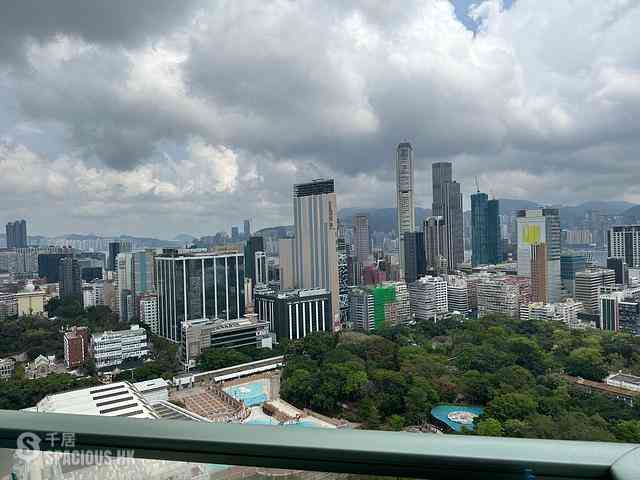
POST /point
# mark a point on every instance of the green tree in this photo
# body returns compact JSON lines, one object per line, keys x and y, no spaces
{"x":511,"y":405}
{"x":396,"y":422}
{"x":628,"y":431}
{"x":587,"y":363}
{"x":299,"y":387}
{"x":489,"y":427}
{"x":215,"y":358}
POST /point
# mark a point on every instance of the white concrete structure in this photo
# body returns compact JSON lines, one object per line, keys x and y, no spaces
{"x":428,"y":297}
{"x":118,"y":399}
{"x":149,"y":311}
{"x":623,"y":380}
{"x":153,"y":391}
{"x":110,"y":348}
{"x":457,"y":294}
{"x":7,"y":368}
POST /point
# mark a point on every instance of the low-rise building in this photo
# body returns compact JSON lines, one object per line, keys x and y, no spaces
{"x":198,"y":335}
{"x":40,"y":367}
{"x":30,"y":301}
{"x":8,"y":306}
{"x":624,"y":380}
{"x":565,"y":312}
{"x":76,"y":347}
{"x":7,"y":368}
{"x":111,"y":348}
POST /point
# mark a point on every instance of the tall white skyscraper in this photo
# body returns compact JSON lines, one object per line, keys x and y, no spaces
{"x":315,"y":258}
{"x":406,"y":212}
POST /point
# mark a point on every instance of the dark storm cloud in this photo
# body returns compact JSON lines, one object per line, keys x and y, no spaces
{"x":254,"y":96}
{"x":113,"y":22}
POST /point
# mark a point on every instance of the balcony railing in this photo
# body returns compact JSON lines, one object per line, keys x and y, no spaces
{"x":340,"y":451}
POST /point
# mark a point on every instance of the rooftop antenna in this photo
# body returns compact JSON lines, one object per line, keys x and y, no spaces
{"x":477,"y":185}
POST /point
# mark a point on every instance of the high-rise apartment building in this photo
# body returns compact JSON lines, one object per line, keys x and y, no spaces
{"x":535,"y":227}
{"x":70,"y":279}
{"x":361,"y":245}
{"x":539,"y":273}
{"x":624,"y":242}
{"x":406,"y":213}
{"x":588,"y":284}
{"x":374,"y":307}
{"x":414,"y":256}
{"x":503,"y":295}
{"x":457,"y":294}
{"x":315,"y":258}
{"x":486,"y":239}
{"x":148,"y":306}
{"x":17,"y":234}
{"x":115,"y":248}
{"x":436,"y":244}
{"x":196,"y":286}
{"x":428,"y":297}
{"x":447,"y":203}
{"x":619,"y":266}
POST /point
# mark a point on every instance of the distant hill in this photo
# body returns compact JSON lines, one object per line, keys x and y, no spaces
{"x":282,"y":231}
{"x":184,"y":238}
{"x":510,"y":205}
{"x":632,"y":215}
{"x":380,"y":219}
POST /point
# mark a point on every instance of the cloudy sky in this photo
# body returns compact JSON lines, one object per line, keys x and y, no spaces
{"x":159,"y":117}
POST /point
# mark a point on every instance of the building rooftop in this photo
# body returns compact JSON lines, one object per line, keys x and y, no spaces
{"x":120,"y":399}
{"x":624,"y":377}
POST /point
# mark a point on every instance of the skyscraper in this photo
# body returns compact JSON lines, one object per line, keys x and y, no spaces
{"x":197,"y":286}
{"x":17,"y":234}
{"x":70,"y":280}
{"x":315,"y":261}
{"x":436,"y":244}
{"x":405,"y":204}
{"x":361,"y":247}
{"x":624,"y":242}
{"x":485,"y":230}
{"x":447,"y":203}
{"x":414,"y":256}
{"x":251,"y":247}
{"x":247,"y":228}
{"x":114,"y":249}
{"x":540,"y":226}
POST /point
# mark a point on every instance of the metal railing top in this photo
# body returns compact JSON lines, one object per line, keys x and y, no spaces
{"x":398,"y":454}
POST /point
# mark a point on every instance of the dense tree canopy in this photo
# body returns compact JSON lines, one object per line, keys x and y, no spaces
{"x":392,"y":379}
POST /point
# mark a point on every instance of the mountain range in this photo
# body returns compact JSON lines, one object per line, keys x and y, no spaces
{"x":384,"y":219}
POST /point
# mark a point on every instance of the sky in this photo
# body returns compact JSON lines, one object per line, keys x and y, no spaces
{"x":158,"y":117}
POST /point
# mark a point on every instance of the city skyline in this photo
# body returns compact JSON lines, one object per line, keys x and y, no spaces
{"x":133,"y":152}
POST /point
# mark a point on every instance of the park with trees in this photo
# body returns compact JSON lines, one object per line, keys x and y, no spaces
{"x":391,"y":379}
